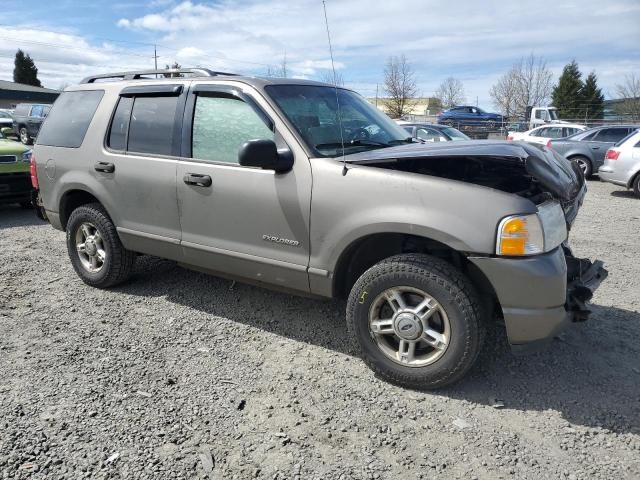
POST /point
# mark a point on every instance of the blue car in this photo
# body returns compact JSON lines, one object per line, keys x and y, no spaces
{"x":470,"y":117}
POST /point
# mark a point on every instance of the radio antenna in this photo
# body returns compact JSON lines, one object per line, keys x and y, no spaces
{"x":335,"y":86}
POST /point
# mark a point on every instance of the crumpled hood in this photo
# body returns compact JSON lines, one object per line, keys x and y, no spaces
{"x":555,"y":173}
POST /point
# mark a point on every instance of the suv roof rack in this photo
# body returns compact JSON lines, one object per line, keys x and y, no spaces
{"x":142,"y":74}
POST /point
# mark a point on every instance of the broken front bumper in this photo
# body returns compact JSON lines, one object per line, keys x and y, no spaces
{"x":541,"y":295}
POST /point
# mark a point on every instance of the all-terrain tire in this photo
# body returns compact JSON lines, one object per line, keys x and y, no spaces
{"x":455,"y":294}
{"x":118,"y":261}
{"x":636,"y":186}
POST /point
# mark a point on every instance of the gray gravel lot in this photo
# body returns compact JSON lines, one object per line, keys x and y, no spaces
{"x":181,"y":375}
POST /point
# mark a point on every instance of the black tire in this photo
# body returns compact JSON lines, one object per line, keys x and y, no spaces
{"x":455,"y":294}
{"x":588,"y":166}
{"x":636,"y":186}
{"x":23,"y":134}
{"x":118,"y":261}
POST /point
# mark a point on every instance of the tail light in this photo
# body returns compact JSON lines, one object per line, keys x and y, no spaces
{"x":612,"y":154}
{"x":34,"y":173}
{"x":509,"y":137}
{"x":549,"y":144}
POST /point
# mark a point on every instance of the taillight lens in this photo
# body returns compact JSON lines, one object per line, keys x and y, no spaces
{"x":612,"y":154}
{"x":34,"y":173}
{"x":549,"y":144}
{"x":509,"y":137}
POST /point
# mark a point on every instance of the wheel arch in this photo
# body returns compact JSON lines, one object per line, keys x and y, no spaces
{"x":74,"y":198}
{"x":366,"y":251}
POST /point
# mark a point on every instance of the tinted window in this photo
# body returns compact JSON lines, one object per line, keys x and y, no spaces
{"x":554,"y":132}
{"x":428,"y":135}
{"x":120,"y":124}
{"x":589,"y":136}
{"x":69,"y":119}
{"x":151,"y":125}
{"x":221,"y":125}
{"x":4,"y":115}
{"x":570,"y":131}
{"x":612,"y":134}
{"x":541,"y":132}
{"x":37,"y":111}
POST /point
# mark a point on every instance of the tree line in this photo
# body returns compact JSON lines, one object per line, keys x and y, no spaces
{"x":527,"y":83}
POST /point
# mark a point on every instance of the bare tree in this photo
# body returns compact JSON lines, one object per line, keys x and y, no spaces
{"x":629,"y":92}
{"x":280,"y":70}
{"x":327,"y":76}
{"x":527,"y":83}
{"x":400,"y":86}
{"x":450,"y":93}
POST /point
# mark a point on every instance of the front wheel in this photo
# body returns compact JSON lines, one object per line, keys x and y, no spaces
{"x":636,"y":186}
{"x":417,"y":320}
{"x":24,"y":136}
{"x":95,"y":250}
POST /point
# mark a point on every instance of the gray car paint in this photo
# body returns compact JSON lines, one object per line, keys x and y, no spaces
{"x":318,"y":205}
{"x":594,"y":151}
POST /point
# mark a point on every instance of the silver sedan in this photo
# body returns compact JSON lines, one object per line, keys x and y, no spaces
{"x":622,"y":163}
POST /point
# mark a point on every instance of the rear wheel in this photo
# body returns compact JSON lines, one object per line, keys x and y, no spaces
{"x":636,"y":186}
{"x":417,"y":321}
{"x":95,"y":250}
{"x":24,"y":136}
{"x":585,"y":165}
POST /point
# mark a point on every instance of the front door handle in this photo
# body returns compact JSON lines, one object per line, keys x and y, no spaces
{"x":595,"y":148}
{"x":197,"y":179}
{"x":104,"y":167}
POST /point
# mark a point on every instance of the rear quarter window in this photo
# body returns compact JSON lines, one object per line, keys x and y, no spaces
{"x":69,"y":119}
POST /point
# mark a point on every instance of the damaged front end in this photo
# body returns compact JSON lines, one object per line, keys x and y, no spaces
{"x":583,"y":278}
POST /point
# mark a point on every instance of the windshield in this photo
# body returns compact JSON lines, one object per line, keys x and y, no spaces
{"x":313,"y":111}
{"x":454,"y":135}
{"x":553,"y":114}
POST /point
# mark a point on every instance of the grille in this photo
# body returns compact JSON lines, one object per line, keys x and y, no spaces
{"x":7,"y":158}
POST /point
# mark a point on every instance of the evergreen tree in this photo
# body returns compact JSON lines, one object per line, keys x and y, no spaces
{"x":592,"y":98}
{"x":25,"y":70}
{"x":567,"y":94}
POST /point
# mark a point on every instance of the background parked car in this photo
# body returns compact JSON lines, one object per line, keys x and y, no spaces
{"x":429,"y":132}
{"x":470,"y":117}
{"x":15,"y":181}
{"x":28,"y":118}
{"x":622,"y":163}
{"x":589,"y":147}
{"x":543,"y":134}
{"x":6,"y":119}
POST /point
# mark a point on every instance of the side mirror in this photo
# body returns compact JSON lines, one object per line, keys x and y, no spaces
{"x":6,"y":131}
{"x":264,"y":154}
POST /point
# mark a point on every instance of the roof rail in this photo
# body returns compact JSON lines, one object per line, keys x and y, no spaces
{"x":142,"y":74}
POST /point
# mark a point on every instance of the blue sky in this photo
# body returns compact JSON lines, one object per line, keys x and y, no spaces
{"x":470,"y":40}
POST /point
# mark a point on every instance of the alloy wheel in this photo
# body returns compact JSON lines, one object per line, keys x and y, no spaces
{"x":90,"y":247}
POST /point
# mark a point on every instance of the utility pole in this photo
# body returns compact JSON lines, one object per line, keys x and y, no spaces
{"x":376,"y":95}
{"x":155,"y":59}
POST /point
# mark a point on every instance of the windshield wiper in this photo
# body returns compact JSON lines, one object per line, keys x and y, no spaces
{"x":354,"y":143}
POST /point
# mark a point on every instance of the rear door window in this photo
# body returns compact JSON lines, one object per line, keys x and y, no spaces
{"x":69,"y":119}
{"x":151,"y":126}
{"x":612,"y":135}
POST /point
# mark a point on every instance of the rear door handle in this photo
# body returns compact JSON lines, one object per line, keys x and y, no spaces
{"x":197,"y":179}
{"x":104,"y":167}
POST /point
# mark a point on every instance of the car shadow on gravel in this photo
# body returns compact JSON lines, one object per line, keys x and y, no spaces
{"x":589,"y":375}
{"x":15,"y":216}
{"x":624,"y":194}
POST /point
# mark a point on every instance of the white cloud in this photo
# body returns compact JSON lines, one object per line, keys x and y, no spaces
{"x":475,"y":41}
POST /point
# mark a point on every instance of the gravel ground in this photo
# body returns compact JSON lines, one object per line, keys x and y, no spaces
{"x":181,"y":375}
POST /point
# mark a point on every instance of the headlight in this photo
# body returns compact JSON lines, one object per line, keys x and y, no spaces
{"x":521,"y":235}
{"x":26,"y":156}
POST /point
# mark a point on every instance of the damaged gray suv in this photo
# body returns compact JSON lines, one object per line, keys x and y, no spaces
{"x":308,"y":188}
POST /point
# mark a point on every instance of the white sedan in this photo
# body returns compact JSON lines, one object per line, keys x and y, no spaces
{"x":544,"y":133}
